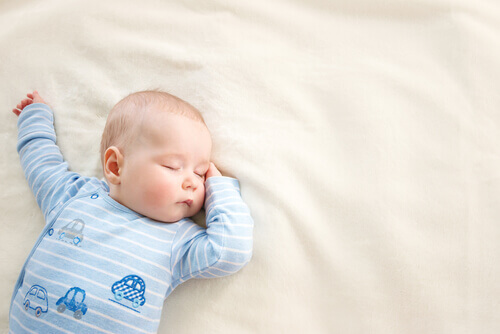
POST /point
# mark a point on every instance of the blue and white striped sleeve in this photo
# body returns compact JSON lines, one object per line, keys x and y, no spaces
{"x":42,"y":162}
{"x":225,"y":246}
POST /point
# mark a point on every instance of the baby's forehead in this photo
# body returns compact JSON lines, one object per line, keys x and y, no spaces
{"x":170,"y":127}
{"x":159,"y":116}
{"x":176,"y":138}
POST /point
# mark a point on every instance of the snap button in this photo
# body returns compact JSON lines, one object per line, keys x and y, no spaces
{"x":94,"y":196}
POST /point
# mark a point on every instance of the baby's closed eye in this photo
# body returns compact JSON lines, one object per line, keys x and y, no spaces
{"x":171,"y":167}
{"x":200,"y":174}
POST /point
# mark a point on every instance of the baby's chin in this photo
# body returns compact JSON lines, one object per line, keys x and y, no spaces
{"x":170,"y":218}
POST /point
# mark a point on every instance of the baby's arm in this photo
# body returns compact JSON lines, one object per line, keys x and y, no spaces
{"x":43,"y":164}
{"x":226,"y":245}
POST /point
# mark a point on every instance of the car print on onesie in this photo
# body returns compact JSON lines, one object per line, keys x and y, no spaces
{"x":71,"y":233}
{"x":37,"y":299}
{"x":73,"y":301}
{"x":132,"y":288}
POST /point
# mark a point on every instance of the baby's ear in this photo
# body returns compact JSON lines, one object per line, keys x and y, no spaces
{"x":113,"y":161}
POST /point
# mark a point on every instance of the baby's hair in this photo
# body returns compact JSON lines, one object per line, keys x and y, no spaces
{"x":125,"y":118}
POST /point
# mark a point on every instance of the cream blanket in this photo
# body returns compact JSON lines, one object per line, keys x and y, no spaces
{"x":364,"y":134}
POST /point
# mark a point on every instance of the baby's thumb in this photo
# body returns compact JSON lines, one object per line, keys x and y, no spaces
{"x":212,"y":171}
{"x":37,"y":98}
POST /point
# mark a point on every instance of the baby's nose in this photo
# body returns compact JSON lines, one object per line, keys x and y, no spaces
{"x":189,"y":183}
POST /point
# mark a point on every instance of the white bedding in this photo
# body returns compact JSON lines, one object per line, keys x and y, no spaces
{"x":364,"y":134}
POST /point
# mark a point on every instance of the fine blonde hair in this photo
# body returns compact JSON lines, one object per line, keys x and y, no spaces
{"x":124,"y":121}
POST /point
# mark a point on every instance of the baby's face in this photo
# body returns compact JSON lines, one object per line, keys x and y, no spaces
{"x":163,"y":175}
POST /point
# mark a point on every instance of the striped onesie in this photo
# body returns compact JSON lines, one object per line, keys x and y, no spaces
{"x":99,"y":267}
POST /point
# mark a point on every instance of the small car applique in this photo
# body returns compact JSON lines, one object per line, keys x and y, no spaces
{"x":131,"y":287}
{"x":37,"y":299}
{"x":72,"y":232}
{"x":73,"y":301}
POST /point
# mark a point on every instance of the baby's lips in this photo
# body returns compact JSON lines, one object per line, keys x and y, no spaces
{"x":188,"y":202}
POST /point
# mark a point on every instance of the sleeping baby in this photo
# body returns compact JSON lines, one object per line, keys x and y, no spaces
{"x":111,"y":252}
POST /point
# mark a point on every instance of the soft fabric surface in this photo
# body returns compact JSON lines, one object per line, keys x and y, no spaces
{"x":364,"y":134}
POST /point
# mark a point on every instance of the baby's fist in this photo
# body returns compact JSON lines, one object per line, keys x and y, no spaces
{"x":212,"y":171}
{"x":32,"y":98}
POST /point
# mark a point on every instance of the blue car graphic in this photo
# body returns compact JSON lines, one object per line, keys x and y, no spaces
{"x":73,"y":301}
{"x":37,"y":299}
{"x":72,"y":232}
{"x":131,"y":287}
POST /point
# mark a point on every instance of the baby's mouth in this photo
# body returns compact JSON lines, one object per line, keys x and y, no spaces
{"x":188,"y":202}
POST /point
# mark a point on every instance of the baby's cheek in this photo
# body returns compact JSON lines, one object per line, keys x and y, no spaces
{"x":200,"y":196}
{"x":201,"y":193}
{"x":161,"y":195}
{"x":153,"y":193}
{"x":151,"y":197}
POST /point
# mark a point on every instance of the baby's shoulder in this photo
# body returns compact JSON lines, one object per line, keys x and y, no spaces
{"x":93,"y":184}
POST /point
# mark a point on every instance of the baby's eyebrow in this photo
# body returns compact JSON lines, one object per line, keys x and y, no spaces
{"x":205,"y":163}
{"x":172,"y":155}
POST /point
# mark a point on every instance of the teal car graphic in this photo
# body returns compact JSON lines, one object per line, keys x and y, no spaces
{"x":36,"y":299}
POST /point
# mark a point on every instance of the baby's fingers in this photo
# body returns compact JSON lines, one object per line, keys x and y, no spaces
{"x":27,"y":102}
{"x":24,"y":103}
{"x":20,"y":106}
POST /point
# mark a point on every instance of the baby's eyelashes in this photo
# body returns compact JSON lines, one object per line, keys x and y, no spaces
{"x":200,"y":175}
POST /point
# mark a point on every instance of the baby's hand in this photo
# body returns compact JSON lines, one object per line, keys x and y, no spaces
{"x":32,"y":98}
{"x":212,"y":171}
